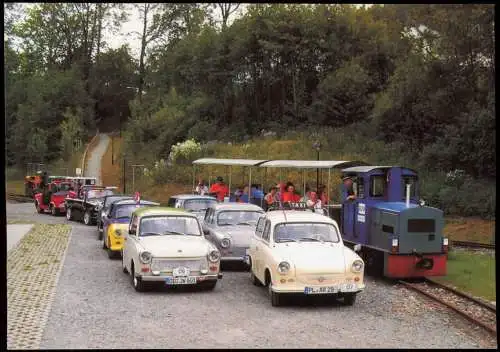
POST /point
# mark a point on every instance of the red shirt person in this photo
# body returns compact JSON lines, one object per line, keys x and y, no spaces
{"x":220,"y":189}
{"x":289,"y":195}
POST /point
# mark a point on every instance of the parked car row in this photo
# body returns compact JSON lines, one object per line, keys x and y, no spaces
{"x":288,"y":251}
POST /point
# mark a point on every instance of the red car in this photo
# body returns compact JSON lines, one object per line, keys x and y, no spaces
{"x":52,"y":199}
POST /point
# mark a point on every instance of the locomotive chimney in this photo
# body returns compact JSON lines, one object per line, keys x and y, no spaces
{"x":408,"y":195}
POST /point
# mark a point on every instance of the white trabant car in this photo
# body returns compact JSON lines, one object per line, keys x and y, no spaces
{"x":167,"y":246}
{"x":302,"y":252}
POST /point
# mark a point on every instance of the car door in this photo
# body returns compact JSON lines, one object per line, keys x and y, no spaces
{"x":130,"y":241}
{"x":259,"y":250}
{"x":107,"y":219}
{"x":256,"y":238}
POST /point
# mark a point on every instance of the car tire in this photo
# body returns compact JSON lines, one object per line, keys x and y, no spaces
{"x":38,"y":209}
{"x":112,"y":254}
{"x":104,"y":243}
{"x":54,"y":211}
{"x":137,"y":283}
{"x":69,"y":215}
{"x":209,"y":285}
{"x":349,"y":299}
{"x":124,"y":268}
{"x":275,"y":297}
{"x":87,"y":218}
{"x":253,"y":278}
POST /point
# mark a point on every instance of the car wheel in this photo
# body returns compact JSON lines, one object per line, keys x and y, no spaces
{"x":100,"y":232}
{"x":136,"y":281}
{"x":38,"y":209}
{"x":111,"y":254}
{"x":87,"y":218}
{"x":124,"y":268}
{"x":69,"y":215}
{"x":209,"y":285}
{"x":349,"y":299}
{"x":275,"y":297}
{"x":54,"y":211}
{"x":253,"y":278}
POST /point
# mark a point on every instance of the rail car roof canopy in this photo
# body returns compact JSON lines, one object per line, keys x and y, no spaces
{"x":228,"y":162}
{"x":310,"y":164}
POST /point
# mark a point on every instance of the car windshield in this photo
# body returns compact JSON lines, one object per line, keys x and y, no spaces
{"x":98,"y":193}
{"x":198,"y":204}
{"x":310,"y":231}
{"x":170,"y":225}
{"x":63,"y":187}
{"x":238,"y":217}
{"x":126,"y":210}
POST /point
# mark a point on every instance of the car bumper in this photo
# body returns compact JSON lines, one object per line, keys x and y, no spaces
{"x":329,"y":288}
{"x":234,"y":259}
{"x":199,"y":279}
{"x":115,"y":243}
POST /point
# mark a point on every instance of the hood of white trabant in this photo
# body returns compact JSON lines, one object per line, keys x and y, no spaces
{"x":176,"y":246}
{"x":315,"y":257}
{"x":240,"y":234}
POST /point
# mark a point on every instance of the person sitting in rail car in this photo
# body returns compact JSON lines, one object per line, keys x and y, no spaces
{"x":272,"y":197}
{"x":220,"y":189}
{"x":322,"y":194}
{"x":289,"y":195}
{"x":244,"y":195}
{"x":256,"y":192}
{"x":307,"y":195}
{"x":348,"y":184}
{"x":202,"y":188}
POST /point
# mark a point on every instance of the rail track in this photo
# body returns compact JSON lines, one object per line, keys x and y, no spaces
{"x":478,"y":312}
{"x":19,"y":198}
{"x":467,"y":244}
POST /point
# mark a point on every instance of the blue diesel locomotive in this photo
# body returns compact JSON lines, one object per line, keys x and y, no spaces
{"x":400,"y":237}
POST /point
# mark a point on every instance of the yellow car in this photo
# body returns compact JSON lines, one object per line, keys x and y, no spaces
{"x":116,"y":222}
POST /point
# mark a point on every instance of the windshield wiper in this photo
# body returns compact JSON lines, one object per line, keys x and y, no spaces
{"x":309,"y":239}
{"x":174,"y":233}
{"x":224,"y":224}
{"x":287,"y":240}
{"x":145,"y":234}
{"x":245,"y":223}
{"x":122,"y":217}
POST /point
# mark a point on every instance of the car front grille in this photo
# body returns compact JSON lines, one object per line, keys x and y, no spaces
{"x":166,"y":265}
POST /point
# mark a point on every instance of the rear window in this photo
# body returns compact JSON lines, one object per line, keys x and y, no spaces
{"x":111,"y":200}
{"x":198,"y":204}
{"x":421,"y":225}
{"x":125,"y":211}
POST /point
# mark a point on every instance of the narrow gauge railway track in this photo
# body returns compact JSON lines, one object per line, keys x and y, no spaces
{"x":19,"y":198}
{"x":478,"y":312}
{"x":467,"y":244}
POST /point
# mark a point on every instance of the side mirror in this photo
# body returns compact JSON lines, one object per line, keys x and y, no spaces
{"x":357,"y":248}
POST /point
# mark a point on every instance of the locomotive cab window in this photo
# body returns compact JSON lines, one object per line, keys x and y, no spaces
{"x":377,"y":186}
{"x":360,"y":187}
{"x":412,"y":181}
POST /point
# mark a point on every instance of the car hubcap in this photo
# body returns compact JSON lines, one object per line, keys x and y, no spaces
{"x":68,"y":214}
{"x":86,"y":218}
{"x":135,"y":281}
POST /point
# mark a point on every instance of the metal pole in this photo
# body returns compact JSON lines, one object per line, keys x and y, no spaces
{"x":112,"y":152}
{"x":328,"y":186}
{"x":304,"y":181}
{"x":249,"y":184}
{"x":230,"y":174}
{"x":194,"y":178}
{"x":133,"y":178}
{"x":124,"y":177}
{"x":317,"y":173}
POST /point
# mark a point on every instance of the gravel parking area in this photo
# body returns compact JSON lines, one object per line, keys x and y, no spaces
{"x":95,"y":306}
{"x":33,"y":267}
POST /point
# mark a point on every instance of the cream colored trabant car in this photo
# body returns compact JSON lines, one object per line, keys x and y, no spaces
{"x":302,"y":252}
{"x":167,"y":246}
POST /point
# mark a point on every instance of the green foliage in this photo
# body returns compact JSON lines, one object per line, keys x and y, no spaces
{"x":71,"y":130}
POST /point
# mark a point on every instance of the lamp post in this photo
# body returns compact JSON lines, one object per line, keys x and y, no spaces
{"x":317,"y":146}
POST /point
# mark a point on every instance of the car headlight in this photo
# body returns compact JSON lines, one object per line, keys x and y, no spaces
{"x":283,"y":268}
{"x":214,"y":256}
{"x":118,"y":233}
{"x":225,"y":243}
{"x":145,"y":257}
{"x":357,"y":266}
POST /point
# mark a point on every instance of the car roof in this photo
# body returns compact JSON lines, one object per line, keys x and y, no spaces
{"x":192,"y":196}
{"x":132,"y":201}
{"x":162,"y":211}
{"x":297,"y":216}
{"x":237,"y":206}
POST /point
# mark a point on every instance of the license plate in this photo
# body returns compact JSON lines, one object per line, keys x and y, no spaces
{"x":180,"y":280}
{"x":330,"y":289}
{"x":181,"y":271}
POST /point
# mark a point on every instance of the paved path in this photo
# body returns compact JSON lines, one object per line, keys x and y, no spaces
{"x":15,"y":233}
{"x":93,"y":167}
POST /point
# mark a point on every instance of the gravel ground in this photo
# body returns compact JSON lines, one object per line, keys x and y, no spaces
{"x":93,"y":167}
{"x":96,"y":307}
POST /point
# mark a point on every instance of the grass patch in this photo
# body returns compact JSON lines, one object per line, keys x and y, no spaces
{"x":469,"y":229}
{"x":472,"y":272}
